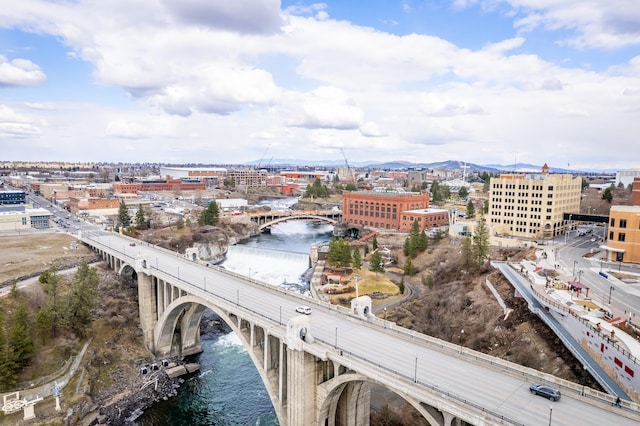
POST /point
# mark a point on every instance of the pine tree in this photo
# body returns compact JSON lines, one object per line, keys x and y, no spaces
{"x":481,"y":242}
{"x":374,"y":243}
{"x":471,"y":209}
{"x":375,"y":264}
{"x":19,"y":337}
{"x":401,"y":286}
{"x":141,"y":221}
{"x":423,"y":242}
{"x":82,"y":298}
{"x":210,"y":215}
{"x":467,"y":259}
{"x":463,"y":192}
{"x":8,"y":365}
{"x":124,"y":220}
{"x":356,"y":259}
{"x":409,"y":269}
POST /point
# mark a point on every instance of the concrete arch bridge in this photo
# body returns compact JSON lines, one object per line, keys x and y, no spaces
{"x":318,"y":368}
{"x":266,"y":220}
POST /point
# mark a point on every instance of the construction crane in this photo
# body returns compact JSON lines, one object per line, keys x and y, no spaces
{"x":262,"y":158}
{"x":349,"y":170}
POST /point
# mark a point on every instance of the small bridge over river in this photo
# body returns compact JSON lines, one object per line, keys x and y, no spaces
{"x":268,"y":219}
{"x":318,"y":369}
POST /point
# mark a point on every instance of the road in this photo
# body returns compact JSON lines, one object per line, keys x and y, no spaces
{"x":624,"y":298}
{"x":366,"y":344}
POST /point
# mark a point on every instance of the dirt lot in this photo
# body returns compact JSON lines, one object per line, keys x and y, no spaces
{"x":26,"y":255}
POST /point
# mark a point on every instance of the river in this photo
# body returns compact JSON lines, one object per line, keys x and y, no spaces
{"x":228,"y":390}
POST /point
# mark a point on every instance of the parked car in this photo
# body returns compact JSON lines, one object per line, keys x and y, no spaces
{"x":303,"y":310}
{"x":547,"y":391}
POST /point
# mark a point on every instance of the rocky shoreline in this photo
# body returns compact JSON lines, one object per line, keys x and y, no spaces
{"x":128,"y":406}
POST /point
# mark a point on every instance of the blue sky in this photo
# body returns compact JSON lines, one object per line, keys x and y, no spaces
{"x":221,"y":81}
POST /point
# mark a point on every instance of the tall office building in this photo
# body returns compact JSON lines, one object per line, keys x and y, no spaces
{"x":531,"y":205}
{"x":623,"y":243}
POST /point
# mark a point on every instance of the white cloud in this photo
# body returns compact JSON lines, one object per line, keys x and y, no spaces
{"x":211,"y":91}
{"x":600,"y":24}
{"x":244,"y":16}
{"x":328,"y":107}
{"x":20,"y":72}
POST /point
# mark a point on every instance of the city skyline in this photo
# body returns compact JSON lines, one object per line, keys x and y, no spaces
{"x":493,"y":81}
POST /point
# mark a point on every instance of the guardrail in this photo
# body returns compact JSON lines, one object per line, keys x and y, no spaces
{"x":515,"y":370}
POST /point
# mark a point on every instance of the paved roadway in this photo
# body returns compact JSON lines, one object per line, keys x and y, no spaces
{"x":625,"y":298}
{"x":523,"y":286}
{"x":463,"y":377}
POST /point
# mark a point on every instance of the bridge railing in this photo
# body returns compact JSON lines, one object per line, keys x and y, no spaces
{"x":410,"y":335}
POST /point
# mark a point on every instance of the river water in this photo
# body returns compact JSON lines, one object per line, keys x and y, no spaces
{"x":228,"y":389}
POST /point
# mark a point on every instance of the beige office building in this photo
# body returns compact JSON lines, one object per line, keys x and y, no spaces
{"x":531,"y":205}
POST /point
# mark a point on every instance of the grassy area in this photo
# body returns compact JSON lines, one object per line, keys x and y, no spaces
{"x":369,"y":283}
{"x":25,"y":254}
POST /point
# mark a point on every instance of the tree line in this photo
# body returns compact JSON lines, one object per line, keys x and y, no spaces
{"x":68,"y":308}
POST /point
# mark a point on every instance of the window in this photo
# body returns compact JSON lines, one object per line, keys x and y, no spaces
{"x":613,"y":222}
{"x":621,"y":236}
{"x":623,"y":223}
{"x":611,"y":235}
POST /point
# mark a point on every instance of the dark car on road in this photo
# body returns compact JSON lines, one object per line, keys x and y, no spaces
{"x":546,"y":391}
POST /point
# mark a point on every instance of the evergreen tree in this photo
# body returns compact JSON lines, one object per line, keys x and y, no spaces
{"x":471,"y":209}
{"x":210,"y":215}
{"x":83,"y":298}
{"x":124,"y":220}
{"x":53,"y":308}
{"x":19,"y":337}
{"x":485,"y":208}
{"x":375,"y":262}
{"x":422,"y":242}
{"x":467,"y":259}
{"x":463,"y":192}
{"x":141,"y":221}
{"x":356,"y":259}
{"x":409,"y":269}
{"x":607,"y":195}
{"x":401,"y":286}
{"x":339,"y":254}
{"x":8,"y":365}
{"x":481,"y":242}
{"x":374,"y":243}
{"x":406,"y":248}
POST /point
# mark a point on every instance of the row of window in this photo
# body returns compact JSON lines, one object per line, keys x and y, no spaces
{"x":621,"y":236}
{"x":517,"y":222}
{"x":366,"y":213}
{"x":521,"y":187}
{"x":623,"y":223}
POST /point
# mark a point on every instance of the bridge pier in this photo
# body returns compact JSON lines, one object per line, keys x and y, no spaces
{"x":147,"y":304}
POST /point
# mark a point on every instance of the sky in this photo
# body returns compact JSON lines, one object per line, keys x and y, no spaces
{"x":234,"y":81}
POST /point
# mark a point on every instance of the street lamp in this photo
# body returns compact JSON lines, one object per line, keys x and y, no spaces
{"x":357,"y":278}
{"x":550,"y":413}
{"x":579,"y":275}
{"x":574,"y":268}
{"x":610,"y":290}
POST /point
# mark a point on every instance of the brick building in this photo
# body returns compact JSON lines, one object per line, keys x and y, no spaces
{"x":623,"y":244}
{"x":427,"y":218}
{"x":156,"y":185}
{"x":382,"y":210}
{"x":78,"y":204}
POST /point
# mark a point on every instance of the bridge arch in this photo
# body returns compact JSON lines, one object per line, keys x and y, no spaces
{"x":128,"y":273}
{"x":269,"y":224}
{"x":350,"y":385}
{"x":179,"y":325}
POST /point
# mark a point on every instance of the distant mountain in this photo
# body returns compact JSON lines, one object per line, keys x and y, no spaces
{"x":440,"y":165}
